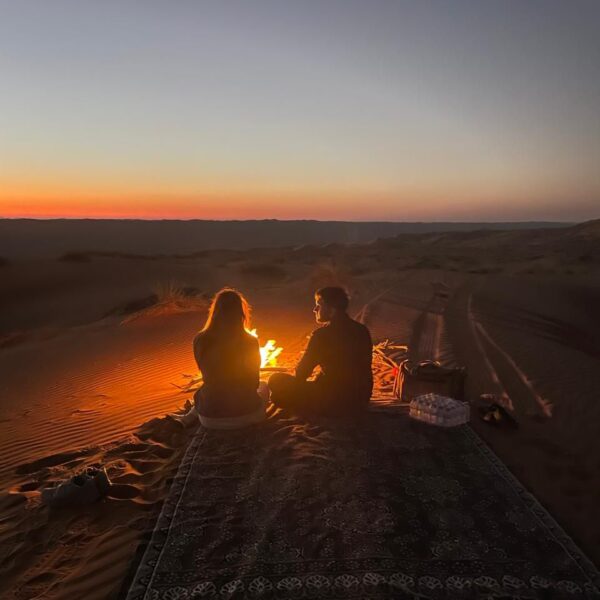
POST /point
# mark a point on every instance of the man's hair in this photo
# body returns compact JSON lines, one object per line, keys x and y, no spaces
{"x":336,"y":297}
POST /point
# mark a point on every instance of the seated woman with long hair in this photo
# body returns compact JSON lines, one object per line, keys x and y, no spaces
{"x":229,"y":359}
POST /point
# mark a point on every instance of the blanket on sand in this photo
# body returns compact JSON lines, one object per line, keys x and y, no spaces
{"x":380,"y":507}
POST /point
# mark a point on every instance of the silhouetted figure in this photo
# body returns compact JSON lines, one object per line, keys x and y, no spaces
{"x":343,"y":350}
{"x":229,"y":359}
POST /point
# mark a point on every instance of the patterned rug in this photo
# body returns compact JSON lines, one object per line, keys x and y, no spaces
{"x":380,"y":508}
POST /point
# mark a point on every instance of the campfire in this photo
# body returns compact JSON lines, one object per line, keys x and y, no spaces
{"x":268,"y":353}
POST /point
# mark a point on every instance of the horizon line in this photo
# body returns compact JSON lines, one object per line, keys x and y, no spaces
{"x":308,"y":220}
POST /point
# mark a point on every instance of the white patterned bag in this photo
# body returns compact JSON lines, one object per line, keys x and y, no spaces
{"x":439,"y":410}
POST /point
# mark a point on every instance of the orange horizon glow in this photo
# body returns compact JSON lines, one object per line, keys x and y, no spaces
{"x":297,"y":206}
{"x":444,"y":196}
{"x":438,"y":191}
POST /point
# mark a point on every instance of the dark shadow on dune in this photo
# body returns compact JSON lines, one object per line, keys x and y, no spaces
{"x":76,"y":257}
{"x":270,"y":271}
{"x":82,"y":256}
{"x":53,"y":460}
{"x":171,"y":294}
{"x":13,"y":338}
{"x":133,"y":306}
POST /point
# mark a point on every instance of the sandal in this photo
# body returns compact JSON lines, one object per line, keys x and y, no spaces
{"x":496,"y":415}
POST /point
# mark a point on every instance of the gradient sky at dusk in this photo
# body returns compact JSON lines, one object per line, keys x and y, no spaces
{"x":372,"y":110}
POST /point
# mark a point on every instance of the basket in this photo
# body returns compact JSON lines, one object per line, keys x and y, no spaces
{"x":425,"y":377}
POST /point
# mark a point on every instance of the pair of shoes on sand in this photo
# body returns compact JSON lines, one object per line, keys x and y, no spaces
{"x":82,"y":489}
{"x":495,"y":414}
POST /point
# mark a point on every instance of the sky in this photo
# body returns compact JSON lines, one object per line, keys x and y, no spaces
{"x":463,"y":110}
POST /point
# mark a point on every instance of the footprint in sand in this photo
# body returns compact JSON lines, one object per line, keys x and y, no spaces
{"x":28,"y":486}
{"x":84,"y":411}
{"x":123,"y":491}
{"x":54,"y":460}
{"x":164,"y":431}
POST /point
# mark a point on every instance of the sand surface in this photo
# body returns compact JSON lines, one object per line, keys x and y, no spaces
{"x":91,"y":352}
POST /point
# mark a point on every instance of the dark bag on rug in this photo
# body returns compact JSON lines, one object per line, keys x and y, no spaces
{"x":427,"y":377}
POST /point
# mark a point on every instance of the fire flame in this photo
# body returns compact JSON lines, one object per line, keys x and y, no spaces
{"x":269,"y":352}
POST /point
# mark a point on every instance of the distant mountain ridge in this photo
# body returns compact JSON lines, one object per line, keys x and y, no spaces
{"x":29,"y":238}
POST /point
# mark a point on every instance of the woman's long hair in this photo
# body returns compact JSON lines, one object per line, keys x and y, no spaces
{"x":229,"y":313}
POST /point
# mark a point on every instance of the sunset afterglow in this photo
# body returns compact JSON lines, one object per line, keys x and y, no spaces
{"x":354,"y":111}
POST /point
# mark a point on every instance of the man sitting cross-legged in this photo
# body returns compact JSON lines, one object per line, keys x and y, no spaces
{"x":342,"y":348}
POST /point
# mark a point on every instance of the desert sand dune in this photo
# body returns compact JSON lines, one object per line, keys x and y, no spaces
{"x":55,"y":237}
{"x":92,"y":352}
{"x":547,"y":379}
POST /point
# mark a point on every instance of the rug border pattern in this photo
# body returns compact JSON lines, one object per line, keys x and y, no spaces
{"x":146,"y":568}
{"x":542,"y":514}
